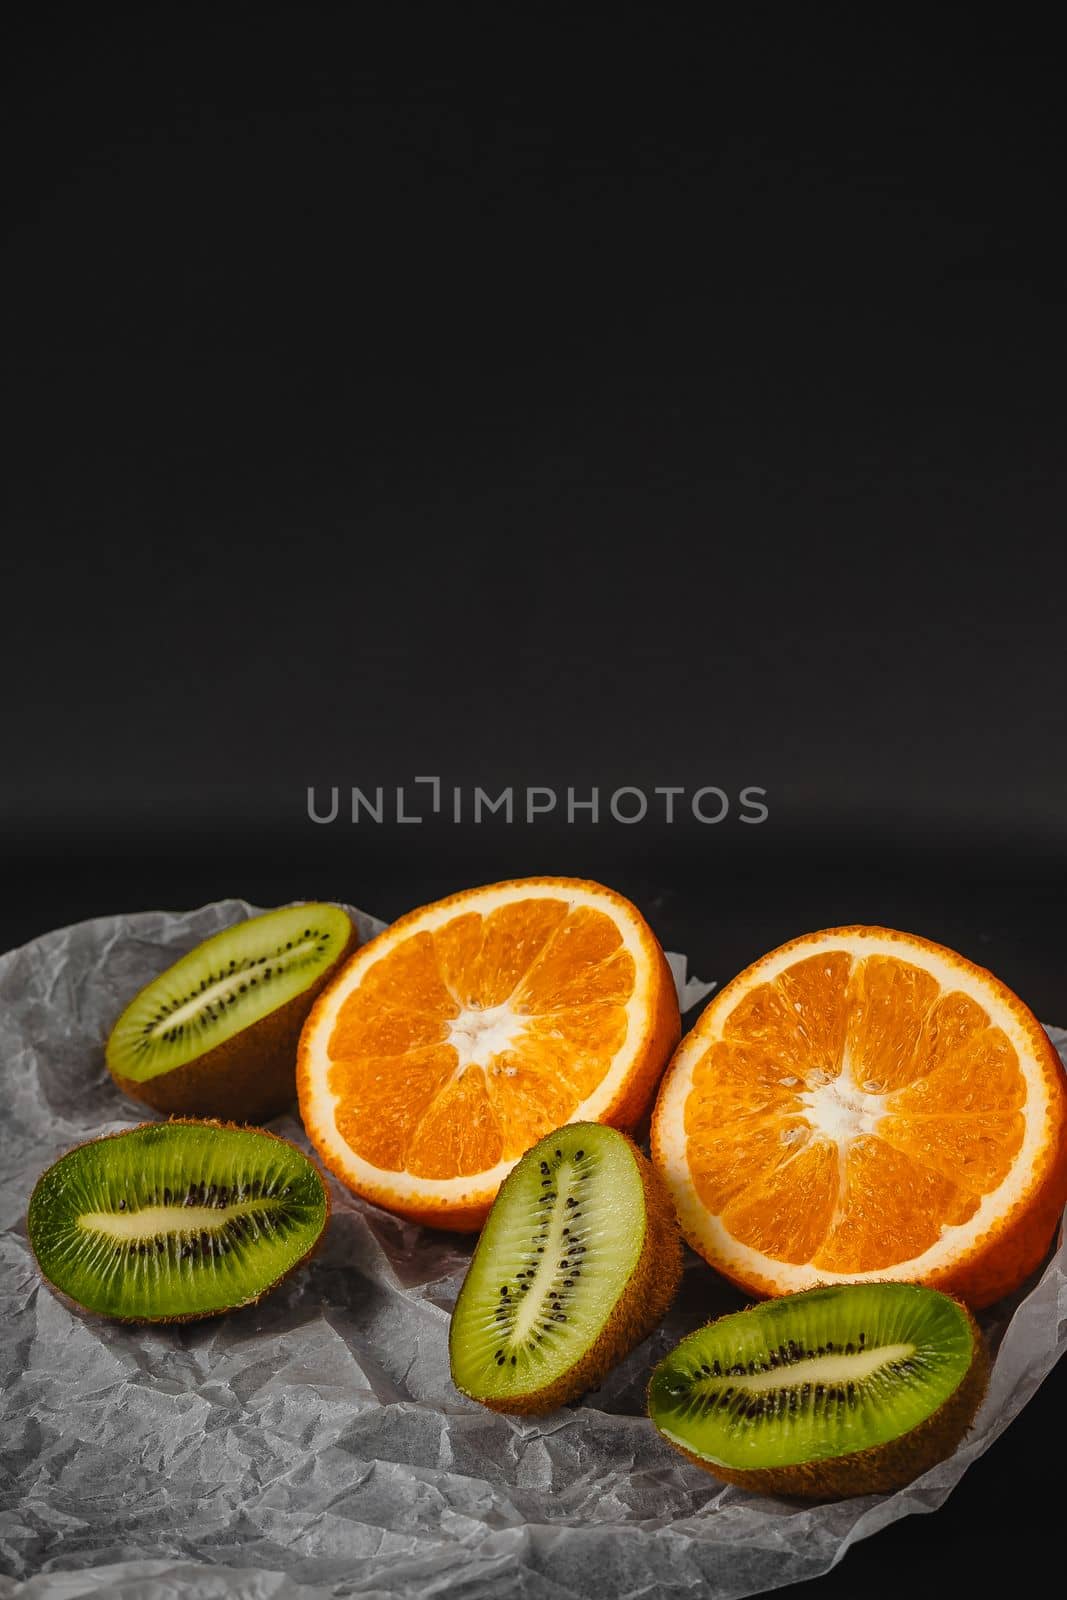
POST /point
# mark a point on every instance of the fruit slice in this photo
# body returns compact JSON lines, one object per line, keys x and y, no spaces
{"x":579,"y":1259}
{"x":865,"y":1104}
{"x":854,"y":1389}
{"x":175,"y":1220}
{"x":216,"y":1034}
{"x":458,"y":1037}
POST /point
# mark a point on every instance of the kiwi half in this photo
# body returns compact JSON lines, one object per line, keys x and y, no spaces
{"x":215,"y":1035}
{"x":175,"y":1220}
{"x":850,"y":1389}
{"x":579,"y":1258}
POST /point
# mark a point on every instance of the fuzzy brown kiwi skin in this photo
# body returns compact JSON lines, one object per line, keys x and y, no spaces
{"x":644,"y":1301}
{"x":249,"y":1077}
{"x":880,"y":1468}
{"x":192,"y":1316}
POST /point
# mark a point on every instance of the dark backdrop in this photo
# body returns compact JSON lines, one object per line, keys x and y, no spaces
{"x":559,"y":400}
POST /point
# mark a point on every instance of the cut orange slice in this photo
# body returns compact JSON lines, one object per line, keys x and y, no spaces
{"x":865,"y":1104}
{"x":470,"y":1028}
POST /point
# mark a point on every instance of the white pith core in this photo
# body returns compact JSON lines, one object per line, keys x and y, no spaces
{"x":151,"y":1221}
{"x":838,"y":1111}
{"x":829,"y":1369}
{"x":477,"y":1035}
{"x":225,"y":985}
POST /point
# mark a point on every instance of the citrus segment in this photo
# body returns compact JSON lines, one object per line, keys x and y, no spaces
{"x":483,"y":959}
{"x":813,"y":992}
{"x":982,"y":1073}
{"x":524,"y":1095}
{"x":889,"y":1209}
{"x":864,"y":1102}
{"x":459,"y":1133}
{"x":976,"y":1151}
{"x":379,"y":1113}
{"x":472,"y":1027}
{"x":789,"y":1206}
{"x":582,"y":965}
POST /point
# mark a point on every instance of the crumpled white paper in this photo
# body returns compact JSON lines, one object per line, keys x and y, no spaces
{"x":313,"y":1446}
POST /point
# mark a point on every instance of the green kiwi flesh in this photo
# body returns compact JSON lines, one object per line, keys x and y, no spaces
{"x":842,"y":1390}
{"x":579,"y":1258}
{"x":215,"y":1035}
{"x":173,"y":1220}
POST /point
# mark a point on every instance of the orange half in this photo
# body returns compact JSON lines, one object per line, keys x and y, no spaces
{"x":865,"y":1104}
{"x":470,"y":1028}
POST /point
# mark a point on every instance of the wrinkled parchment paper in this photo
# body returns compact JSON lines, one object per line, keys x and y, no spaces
{"x":313,"y":1445}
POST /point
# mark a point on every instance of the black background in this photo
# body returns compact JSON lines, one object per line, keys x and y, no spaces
{"x":561,"y":399}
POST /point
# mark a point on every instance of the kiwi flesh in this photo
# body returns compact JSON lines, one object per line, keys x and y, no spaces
{"x":174,"y":1220}
{"x":215,"y":1035}
{"x":579,"y":1258}
{"x":842,"y":1390}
